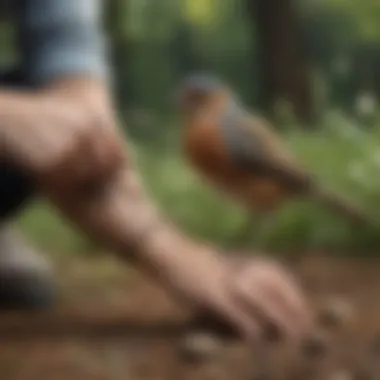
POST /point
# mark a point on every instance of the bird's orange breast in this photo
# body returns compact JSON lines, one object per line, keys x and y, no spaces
{"x":207,"y":152}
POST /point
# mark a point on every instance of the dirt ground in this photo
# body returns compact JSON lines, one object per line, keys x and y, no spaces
{"x":346,"y":353}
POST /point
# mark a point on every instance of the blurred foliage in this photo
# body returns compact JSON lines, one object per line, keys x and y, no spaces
{"x":156,"y":43}
{"x":164,"y":41}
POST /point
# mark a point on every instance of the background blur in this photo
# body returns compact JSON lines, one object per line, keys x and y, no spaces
{"x":312,"y":66}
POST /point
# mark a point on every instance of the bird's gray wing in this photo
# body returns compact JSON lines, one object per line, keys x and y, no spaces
{"x":252,"y":155}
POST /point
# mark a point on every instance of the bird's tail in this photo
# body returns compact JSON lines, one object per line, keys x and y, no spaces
{"x":343,"y":207}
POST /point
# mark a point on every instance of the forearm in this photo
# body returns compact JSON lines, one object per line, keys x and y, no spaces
{"x":123,"y":220}
{"x":121,"y":217}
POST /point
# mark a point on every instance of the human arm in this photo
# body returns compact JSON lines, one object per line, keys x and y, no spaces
{"x":67,"y":116}
{"x":120,"y":216}
{"x":247,"y":296}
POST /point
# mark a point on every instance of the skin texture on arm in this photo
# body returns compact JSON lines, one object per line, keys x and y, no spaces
{"x":61,"y":126}
{"x":120,"y":216}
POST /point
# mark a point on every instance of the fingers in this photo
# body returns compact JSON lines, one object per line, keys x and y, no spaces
{"x":290,"y":300}
{"x":246,"y":324}
{"x":272,"y":297}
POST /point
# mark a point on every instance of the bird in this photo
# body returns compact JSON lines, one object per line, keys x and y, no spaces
{"x":242,"y":156}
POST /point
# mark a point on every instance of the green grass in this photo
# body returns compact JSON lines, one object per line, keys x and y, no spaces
{"x":49,"y":231}
{"x":343,"y":156}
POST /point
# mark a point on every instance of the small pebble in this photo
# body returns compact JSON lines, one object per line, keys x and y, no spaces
{"x":315,"y":346}
{"x":200,"y":346}
{"x":334,"y":313}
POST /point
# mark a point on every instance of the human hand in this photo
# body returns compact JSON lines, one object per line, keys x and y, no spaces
{"x":251,"y":296}
{"x":61,"y":142}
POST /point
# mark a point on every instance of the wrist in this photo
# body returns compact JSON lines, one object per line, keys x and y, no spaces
{"x":168,"y":254}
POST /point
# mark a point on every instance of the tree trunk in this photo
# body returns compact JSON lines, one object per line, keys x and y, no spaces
{"x":283,"y":66}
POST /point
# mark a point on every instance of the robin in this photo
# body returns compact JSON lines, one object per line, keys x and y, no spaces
{"x":242,"y":156}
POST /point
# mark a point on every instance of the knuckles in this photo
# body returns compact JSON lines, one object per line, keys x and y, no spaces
{"x":90,"y":155}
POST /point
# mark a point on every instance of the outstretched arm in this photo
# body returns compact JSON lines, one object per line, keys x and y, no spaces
{"x":65,"y":55}
{"x":118,"y":214}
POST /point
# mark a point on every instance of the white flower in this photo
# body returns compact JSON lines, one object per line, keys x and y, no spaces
{"x":366,"y":104}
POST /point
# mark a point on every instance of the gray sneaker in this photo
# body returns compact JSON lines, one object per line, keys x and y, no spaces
{"x":26,"y":278}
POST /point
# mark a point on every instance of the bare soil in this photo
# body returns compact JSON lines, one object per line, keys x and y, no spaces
{"x":106,"y":286}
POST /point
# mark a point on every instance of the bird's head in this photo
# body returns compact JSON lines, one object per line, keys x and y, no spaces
{"x":200,"y":90}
